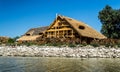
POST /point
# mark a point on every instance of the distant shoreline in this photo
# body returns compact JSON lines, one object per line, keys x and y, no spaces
{"x":50,"y":51}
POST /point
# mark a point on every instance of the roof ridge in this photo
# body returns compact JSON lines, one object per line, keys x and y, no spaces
{"x":77,"y":20}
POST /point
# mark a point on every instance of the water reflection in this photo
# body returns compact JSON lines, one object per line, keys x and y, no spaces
{"x":38,"y":64}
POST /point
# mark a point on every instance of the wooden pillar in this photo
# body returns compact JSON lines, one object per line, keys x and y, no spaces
{"x":63,"y":33}
{"x":58,"y":32}
{"x":55,"y":32}
{"x":72,"y":33}
{"x":49,"y":34}
{"x":67,"y":33}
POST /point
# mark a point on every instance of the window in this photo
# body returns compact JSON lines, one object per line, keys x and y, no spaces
{"x":81,"y":27}
{"x":40,"y":33}
{"x":27,"y":34}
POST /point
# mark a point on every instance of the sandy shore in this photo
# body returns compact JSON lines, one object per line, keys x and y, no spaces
{"x":49,"y":51}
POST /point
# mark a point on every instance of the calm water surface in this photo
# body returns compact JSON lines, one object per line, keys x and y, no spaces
{"x":41,"y":64}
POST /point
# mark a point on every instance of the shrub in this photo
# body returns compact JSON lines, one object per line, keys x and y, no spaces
{"x":54,"y":44}
{"x":118,"y":45}
{"x":84,"y":44}
{"x":95,"y":44}
{"x":71,"y":45}
{"x":110,"y":45}
{"x":11,"y":40}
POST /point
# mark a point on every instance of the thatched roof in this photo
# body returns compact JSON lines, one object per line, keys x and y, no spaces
{"x":34,"y":34}
{"x":82,"y":28}
{"x":28,"y":38}
{"x":4,"y":39}
{"x":36,"y":31}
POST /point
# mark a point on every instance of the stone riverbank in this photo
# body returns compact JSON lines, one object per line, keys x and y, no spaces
{"x":48,"y":51}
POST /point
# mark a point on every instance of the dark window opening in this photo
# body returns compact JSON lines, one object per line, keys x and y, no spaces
{"x":27,"y":34}
{"x":81,"y":27}
{"x":40,"y":33}
{"x":69,"y":32}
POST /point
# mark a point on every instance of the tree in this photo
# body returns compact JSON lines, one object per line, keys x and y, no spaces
{"x":110,"y":19}
{"x":13,"y":40}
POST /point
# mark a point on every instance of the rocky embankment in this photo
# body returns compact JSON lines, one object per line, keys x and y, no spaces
{"x":44,"y":51}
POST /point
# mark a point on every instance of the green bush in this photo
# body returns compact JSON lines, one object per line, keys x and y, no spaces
{"x":110,"y":45}
{"x":118,"y":45}
{"x":71,"y":45}
{"x":11,"y":41}
{"x":84,"y":44}
{"x":95,"y":45}
{"x":54,"y":44}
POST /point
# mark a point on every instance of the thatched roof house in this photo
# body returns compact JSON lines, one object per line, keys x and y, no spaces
{"x":65,"y":27}
{"x":32,"y":34}
{"x":3,"y":39}
{"x":35,"y":31}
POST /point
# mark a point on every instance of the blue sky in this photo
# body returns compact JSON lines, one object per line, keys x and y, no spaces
{"x":18,"y":16}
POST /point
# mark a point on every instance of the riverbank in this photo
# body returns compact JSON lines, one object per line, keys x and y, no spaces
{"x":50,"y":51}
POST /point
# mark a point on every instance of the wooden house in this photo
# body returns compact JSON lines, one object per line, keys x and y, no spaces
{"x":3,"y":39}
{"x":65,"y":27}
{"x":32,"y":34}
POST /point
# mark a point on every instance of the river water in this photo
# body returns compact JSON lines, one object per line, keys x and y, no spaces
{"x":43,"y":64}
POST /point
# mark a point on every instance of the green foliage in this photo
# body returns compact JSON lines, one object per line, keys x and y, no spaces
{"x":110,"y":19}
{"x":84,"y":44}
{"x":71,"y":45}
{"x":95,"y":44}
{"x":110,"y":45}
{"x":15,"y":38}
{"x":118,"y":45}
{"x":54,"y":44}
{"x":11,"y":40}
{"x":107,"y":45}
